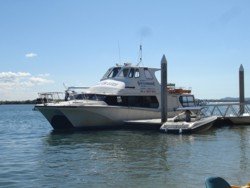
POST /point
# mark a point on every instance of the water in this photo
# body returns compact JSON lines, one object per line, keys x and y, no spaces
{"x":32,"y":155}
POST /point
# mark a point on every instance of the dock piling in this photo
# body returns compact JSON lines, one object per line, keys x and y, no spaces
{"x":164,"y":89}
{"x":241,"y":90}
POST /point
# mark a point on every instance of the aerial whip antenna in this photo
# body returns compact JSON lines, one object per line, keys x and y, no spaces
{"x":65,"y":86}
{"x":140,"y":55}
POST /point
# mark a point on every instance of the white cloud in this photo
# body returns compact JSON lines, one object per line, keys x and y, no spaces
{"x":21,"y":80}
{"x":12,"y":77}
{"x":44,"y":75}
{"x":39,"y":80}
{"x":30,"y":55}
{"x":13,"y":74}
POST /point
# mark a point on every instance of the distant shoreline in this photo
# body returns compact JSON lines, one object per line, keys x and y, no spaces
{"x":18,"y":102}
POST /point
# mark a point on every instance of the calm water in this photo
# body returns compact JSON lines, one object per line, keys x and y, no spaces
{"x":32,"y":155}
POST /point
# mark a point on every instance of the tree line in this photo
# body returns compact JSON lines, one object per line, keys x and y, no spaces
{"x":19,"y":102}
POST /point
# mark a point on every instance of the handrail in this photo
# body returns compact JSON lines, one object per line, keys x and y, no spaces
{"x":226,"y":109}
{"x":46,"y":97}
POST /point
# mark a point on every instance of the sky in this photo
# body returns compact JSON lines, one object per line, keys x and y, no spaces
{"x":45,"y":44}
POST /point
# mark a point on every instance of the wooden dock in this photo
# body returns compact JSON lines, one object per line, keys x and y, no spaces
{"x":237,"y":113}
{"x":156,"y":123}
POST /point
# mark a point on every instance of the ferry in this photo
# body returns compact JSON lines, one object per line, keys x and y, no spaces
{"x":125,"y":92}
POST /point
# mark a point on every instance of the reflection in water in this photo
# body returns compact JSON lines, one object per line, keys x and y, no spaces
{"x":118,"y":156}
{"x":244,"y":158}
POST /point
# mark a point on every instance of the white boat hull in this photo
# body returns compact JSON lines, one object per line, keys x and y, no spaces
{"x":95,"y":116}
{"x":188,"y":127}
{"x":55,"y":117}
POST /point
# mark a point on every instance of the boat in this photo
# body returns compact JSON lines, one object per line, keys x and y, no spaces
{"x":191,"y":120}
{"x":125,"y":92}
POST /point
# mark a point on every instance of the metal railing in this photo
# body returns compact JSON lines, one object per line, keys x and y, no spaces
{"x":48,"y":97}
{"x":230,"y":109}
{"x":54,"y":97}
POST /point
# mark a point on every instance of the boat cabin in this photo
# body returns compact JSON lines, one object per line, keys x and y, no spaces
{"x":133,"y":86}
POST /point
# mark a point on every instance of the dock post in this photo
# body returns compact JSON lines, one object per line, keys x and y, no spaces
{"x":164,"y":113}
{"x":241,"y":88}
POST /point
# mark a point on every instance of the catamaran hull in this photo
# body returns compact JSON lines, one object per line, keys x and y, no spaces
{"x":88,"y":117}
{"x":55,"y":117}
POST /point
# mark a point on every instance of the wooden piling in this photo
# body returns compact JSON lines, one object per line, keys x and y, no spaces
{"x":164,"y":113}
{"x":241,"y":90}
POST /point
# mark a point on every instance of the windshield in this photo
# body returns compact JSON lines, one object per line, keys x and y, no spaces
{"x":187,"y":101}
{"x":124,"y":72}
{"x":114,"y":72}
{"x":107,"y":73}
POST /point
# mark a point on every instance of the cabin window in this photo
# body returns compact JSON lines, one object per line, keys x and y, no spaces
{"x":75,"y":97}
{"x":131,"y":73}
{"x":143,"y":101}
{"x":94,"y":97}
{"x":114,"y":72}
{"x":137,"y":73}
{"x":107,"y":73}
{"x":111,"y":100}
{"x":91,"y":97}
{"x":133,"y":101}
{"x":147,"y":74}
{"x":124,"y":72}
{"x":119,"y":99}
{"x":79,"y":96}
{"x":128,"y":101}
{"x":187,"y":101}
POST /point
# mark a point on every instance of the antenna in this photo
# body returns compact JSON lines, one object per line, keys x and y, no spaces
{"x":65,"y":86}
{"x":140,"y":55}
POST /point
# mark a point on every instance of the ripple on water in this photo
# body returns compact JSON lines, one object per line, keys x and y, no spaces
{"x":32,"y":155}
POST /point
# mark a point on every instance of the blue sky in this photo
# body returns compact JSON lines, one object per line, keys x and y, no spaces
{"x":45,"y":43}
